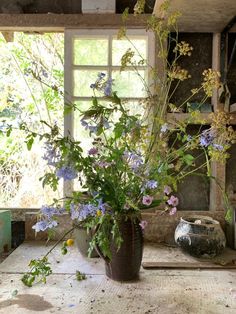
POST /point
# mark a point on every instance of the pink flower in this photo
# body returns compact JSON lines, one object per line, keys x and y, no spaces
{"x":147,"y":200}
{"x":167,"y":190}
{"x":143,"y":224}
{"x":173,"y":211}
{"x":173,"y":201}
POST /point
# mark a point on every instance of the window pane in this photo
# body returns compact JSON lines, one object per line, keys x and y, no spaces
{"x":25,"y":99}
{"x":119,"y":47}
{"x":129,"y":84}
{"x":90,"y":51}
{"x":82,"y":81}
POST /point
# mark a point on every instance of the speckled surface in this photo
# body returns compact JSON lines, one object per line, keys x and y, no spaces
{"x":156,"y":291}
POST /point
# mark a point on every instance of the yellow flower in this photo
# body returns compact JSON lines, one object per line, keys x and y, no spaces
{"x":70,"y":242}
{"x":99,"y":213}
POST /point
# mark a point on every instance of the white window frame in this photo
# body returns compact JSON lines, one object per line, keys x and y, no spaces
{"x":70,"y":35}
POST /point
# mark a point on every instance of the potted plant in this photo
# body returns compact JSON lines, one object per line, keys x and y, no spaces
{"x":130,"y":165}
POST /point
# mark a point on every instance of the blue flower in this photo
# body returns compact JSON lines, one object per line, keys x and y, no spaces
{"x":87,"y":210}
{"x":134,"y":160}
{"x":151,"y":184}
{"x":67,"y":173}
{"x":108,"y":87}
{"x":51,"y":155}
{"x":44,"y":225}
{"x":218,"y":147}
{"x":206,"y":138}
{"x":50,"y":211}
{"x":74,"y":212}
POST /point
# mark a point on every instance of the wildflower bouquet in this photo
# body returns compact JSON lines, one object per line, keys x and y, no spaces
{"x":135,"y":162}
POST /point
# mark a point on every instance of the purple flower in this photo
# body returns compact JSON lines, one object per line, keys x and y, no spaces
{"x":44,"y":225}
{"x":143,"y":224}
{"x":93,"y":151}
{"x":206,"y":138}
{"x":40,"y":226}
{"x":103,"y":164}
{"x":167,"y":190}
{"x":151,"y":184}
{"x":173,"y":201}
{"x":134,"y":160}
{"x":147,"y":200}
{"x":173,"y":211}
{"x":67,"y":173}
{"x":92,"y":86}
{"x":51,"y":155}
{"x":48,"y":211}
{"x":87,"y":210}
{"x":84,"y":123}
{"x":108,"y":87}
{"x":93,"y":128}
{"x":74,"y":212}
{"x":218,"y":147}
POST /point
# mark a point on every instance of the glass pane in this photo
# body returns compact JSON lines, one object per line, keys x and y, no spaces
{"x":119,"y":47}
{"x":135,"y":107}
{"x":129,"y":83}
{"x":82,"y":81}
{"x":90,"y":51}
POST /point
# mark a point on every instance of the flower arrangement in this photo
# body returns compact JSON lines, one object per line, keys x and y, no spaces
{"x":131,"y":165}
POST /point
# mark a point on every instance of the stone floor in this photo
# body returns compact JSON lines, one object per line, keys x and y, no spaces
{"x":156,"y":291}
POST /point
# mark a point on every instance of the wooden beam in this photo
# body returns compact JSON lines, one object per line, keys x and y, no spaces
{"x":216,"y":66}
{"x":58,"y":22}
{"x":8,"y":36}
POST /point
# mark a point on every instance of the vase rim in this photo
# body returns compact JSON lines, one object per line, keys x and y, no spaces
{"x":205,"y":220}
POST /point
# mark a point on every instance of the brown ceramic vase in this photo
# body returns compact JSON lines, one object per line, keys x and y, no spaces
{"x":125,"y":263}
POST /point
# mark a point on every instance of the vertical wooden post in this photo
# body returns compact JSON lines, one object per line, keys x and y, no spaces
{"x":218,"y":169}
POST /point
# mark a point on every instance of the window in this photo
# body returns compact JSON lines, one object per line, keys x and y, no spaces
{"x":88,"y":52}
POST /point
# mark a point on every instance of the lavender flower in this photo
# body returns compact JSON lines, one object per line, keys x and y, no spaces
{"x":40,"y":226}
{"x":218,"y":147}
{"x":103,"y":164}
{"x":206,"y":138}
{"x":167,"y":190}
{"x":93,"y":151}
{"x":151,"y":184}
{"x":48,"y":211}
{"x":134,"y":160}
{"x":44,"y":225}
{"x":147,"y":200}
{"x":51,"y":155}
{"x":108,"y":87}
{"x":67,"y":173}
{"x":87,"y":210}
{"x":143,"y":224}
{"x":74,"y":212}
{"x":173,"y":201}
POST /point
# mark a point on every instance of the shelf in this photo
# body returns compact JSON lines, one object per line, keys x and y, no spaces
{"x":202,"y":16}
{"x":58,"y":22}
{"x":180,"y":117}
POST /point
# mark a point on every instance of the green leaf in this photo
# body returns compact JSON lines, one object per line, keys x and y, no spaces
{"x":188,"y":159}
{"x":29,"y":143}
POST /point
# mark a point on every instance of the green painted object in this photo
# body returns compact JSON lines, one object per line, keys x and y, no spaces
{"x":5,"y":230}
